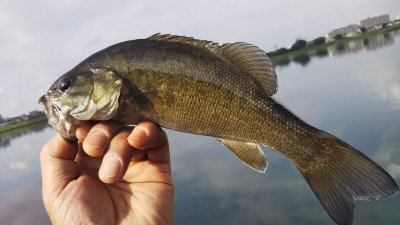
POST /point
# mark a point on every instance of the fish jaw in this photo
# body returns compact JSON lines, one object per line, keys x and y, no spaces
{"x":64,"y":126}
{"x":49,"y":109}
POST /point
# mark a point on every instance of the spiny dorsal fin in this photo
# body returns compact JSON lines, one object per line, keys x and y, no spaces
{"x":248,"y":58}
{"x":187,"y":40}
{"x":249,"y":153}
{"x":253,"y":61}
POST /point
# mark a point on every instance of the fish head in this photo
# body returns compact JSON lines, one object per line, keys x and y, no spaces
{"x":80,"y":96}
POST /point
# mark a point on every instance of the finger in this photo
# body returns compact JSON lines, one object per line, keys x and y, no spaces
{"x":146,"y":135}
{"x":57,"y":163}
{"x":150,"y":137}
{"x":83,"y":130}
{"x":61,"y":149}
{"x":117,"y":158}
{"x":98,"y":138}
{"x":81,"y":133}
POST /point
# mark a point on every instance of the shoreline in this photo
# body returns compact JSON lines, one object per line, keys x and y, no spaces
{"x":22,"y":123}
{"x":287,"y":56}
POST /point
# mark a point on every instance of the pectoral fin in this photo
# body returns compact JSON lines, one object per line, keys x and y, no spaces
{"x":250,"y":154}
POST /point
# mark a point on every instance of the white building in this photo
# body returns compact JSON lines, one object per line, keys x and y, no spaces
{"x":373,"y":22}
{"x":344,"y":31}
{"x":352,"y":29}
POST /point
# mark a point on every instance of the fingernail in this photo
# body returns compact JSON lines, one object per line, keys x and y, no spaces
{"x":97,"y":139}
{"x":110,"y":167}
{"x":138,"y":134}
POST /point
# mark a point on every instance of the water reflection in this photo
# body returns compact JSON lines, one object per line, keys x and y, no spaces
{"x":20,"y":182}
{"x":368,"y":44}
{"x":321,"y":52}
{"x":218,"y":189}
{"x":230,"y":193}
{"x":362,"y":45}
{"x":388,"y":151}
{"x":8,"y":136}
{"x":302,"y":59}
{"x":23,"y":206}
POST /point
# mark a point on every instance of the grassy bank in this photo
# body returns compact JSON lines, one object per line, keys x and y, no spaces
{"x":23,"y":123}
{"x":293,"y":54}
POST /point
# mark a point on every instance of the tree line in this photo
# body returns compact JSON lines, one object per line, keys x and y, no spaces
{"x":25,"y":116}
{"x":297,"y":45}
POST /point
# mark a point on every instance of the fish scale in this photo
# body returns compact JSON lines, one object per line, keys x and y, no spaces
{"x":184,"y":114}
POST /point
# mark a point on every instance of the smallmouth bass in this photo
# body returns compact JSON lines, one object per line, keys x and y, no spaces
{"x":224,"y":91}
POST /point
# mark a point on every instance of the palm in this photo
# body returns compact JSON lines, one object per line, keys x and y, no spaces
{"x":123,"y":201}
{"x":78,"y":196}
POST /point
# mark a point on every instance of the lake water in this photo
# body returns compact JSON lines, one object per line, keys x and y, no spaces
{"x":352,"y":91}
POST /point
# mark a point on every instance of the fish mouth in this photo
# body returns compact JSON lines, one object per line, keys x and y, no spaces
{"x":64,"y":126}
{"x":52,"y":110}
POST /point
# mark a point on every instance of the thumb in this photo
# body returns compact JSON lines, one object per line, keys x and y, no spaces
{"x":57,"y":166}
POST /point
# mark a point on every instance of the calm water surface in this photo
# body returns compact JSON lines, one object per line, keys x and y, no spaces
{"x":352,"y":91}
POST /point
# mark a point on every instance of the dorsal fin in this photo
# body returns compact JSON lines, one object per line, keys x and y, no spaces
{"x":247,"y":57}
{"x":187,"y":40}
{"x":253,"y":61}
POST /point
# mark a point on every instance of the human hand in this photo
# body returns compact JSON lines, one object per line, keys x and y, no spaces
{"x":119,"y":177}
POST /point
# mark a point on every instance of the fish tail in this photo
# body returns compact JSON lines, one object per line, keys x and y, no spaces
{"x":344,"y":177}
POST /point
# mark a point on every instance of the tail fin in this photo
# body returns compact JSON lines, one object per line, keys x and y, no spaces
{"x":347,"y":177}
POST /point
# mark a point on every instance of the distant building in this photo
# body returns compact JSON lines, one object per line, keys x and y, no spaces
{"x":373,"y":22}
{"x":344,"y":31}
{"x":331,"y":35}
{"x":352,"y":29}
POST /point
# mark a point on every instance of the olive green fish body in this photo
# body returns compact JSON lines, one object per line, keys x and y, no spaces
{"x":223,"y":91}
{"x":193,"y":91}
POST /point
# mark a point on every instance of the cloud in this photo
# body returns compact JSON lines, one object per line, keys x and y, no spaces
{"x":18,"y":165}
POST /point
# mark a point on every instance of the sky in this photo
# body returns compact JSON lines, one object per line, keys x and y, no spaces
{"x":41,"y":40}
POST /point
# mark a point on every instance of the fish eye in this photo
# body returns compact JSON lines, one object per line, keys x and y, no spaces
{"x":65,"y":84}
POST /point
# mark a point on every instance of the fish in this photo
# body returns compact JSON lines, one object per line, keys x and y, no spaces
{"x":220,"y":90}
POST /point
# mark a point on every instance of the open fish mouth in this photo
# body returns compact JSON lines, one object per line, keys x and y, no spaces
{"x":52,"y":110}
{"x":65,"y":127}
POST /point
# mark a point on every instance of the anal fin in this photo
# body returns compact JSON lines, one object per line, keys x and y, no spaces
{"x":249,"y":153}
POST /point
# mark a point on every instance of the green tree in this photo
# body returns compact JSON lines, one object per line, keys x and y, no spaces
{"x":299,"y":44}
{"x":317,"y":41}
{"x":338,"y":37}
{"x":279,"y":51}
